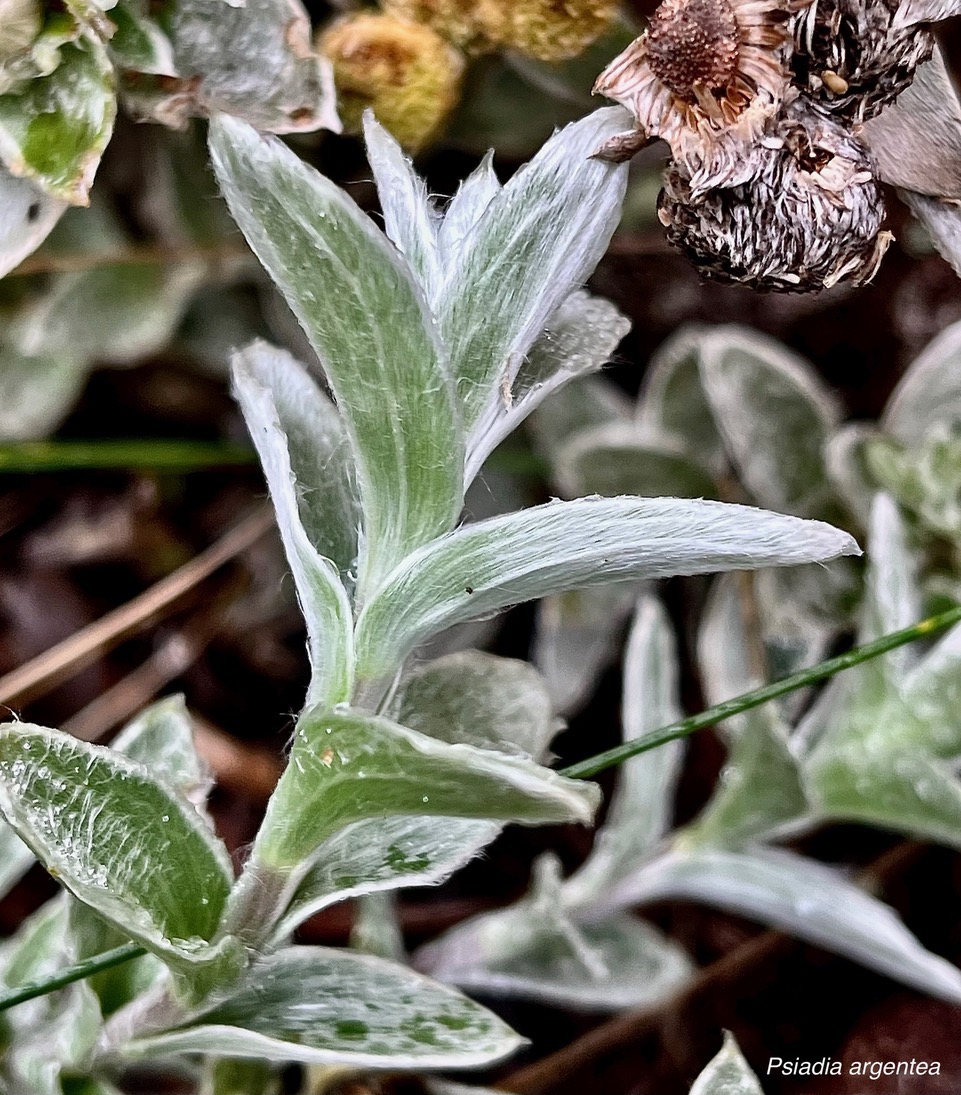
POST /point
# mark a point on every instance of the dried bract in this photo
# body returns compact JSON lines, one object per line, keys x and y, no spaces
{"x":809,"y":217}
{"x":854,"y":57}
{"x":706,"y":76}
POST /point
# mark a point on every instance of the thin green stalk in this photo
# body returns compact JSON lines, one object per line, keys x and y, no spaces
{"x":682,"y":729}
{"x":17,"y":457}
{"x":81,"y":970}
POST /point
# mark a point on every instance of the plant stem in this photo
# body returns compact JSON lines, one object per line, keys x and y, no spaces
{"x":745,"y":702}
{"x":17,"y":457}
{"x":87,"y":968}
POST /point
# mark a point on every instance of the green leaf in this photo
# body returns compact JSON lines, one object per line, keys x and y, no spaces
{"x":579,"y":338}
{"x":932,"y":692}
{"x":347,"y":767}
{"x":320,"y":457}
{"x":15,"y":859}
{"x":586,"y":402}
{"x":357,"y":300}
{"x":480,"y":699}
{"x":642,"y":804}
{"x":847,"y":468}
{"x":385,"y":853}
{"x":929,"y":393}
{"x":538,"y":239}
{"x":226,"y":1077}
{"x":332,"y":1007}
{"x":768,"y":402}
{"x":112,"y":314}
{"x":255,"y":61}
{"x":410,"y":219}
{"x":483,"y":567}
{"x":576,"y":638}
{"x":798,"y":896}
{"x":117,"y":839}
{"x":466,"y":208}
{"x":759,"y":787}
{"x":536,"y":951}
{"x":376,"y":928}
{"x":727,"y":1074}
{"x":892,"y":597}
{"x":27,"y":216}
{"x":673,"y":403}
{"x":55,"y":128}
{"x":617,"y":459}
{"x":161,"y":738}
{"x":138,"y":44}
{"x":265,"y":383}
{"x":37,"y":393}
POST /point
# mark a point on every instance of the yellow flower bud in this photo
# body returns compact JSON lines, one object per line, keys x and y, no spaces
{"x":462,"y":22}
{"x":406,"y":72}
{"x":550,"y":30}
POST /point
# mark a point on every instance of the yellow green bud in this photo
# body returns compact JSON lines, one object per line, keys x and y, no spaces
{"x":550,"y":30}
{"x":406,"y":72}
{"x":462,"y":22}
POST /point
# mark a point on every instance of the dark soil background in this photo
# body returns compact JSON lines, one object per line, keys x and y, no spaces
{"x":75,"y":545}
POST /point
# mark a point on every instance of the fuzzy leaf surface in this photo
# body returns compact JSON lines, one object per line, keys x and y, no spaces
{"x":538,"y":239}
{"x":481,"y":568}
{"x":799,"y":896}
{"x":263,"y":379}
{"x":766,"y":400}
{"x":117,"y":839}
{"x":332,"y":1007}
{"x":54,"y":129}
{"x":385,"y":853}
{"x":347,"y":767}
{"x":480,"y":699}
{"x":727,"y":1074}
{"x":357,"y":300}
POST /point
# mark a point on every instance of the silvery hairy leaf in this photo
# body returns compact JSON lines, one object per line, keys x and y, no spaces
{"x":579,"y":338}
{"x":27,"y":216}
{"x":480,"y":699}
{"x":537,"y":240}
{"x":265,"y":381}
{"x":163,"y":881}
{"x":929,"y":393}
{"x":585,"y":403}
{"x":333,"y":1007}
{"x":768,"y":402}
{"x":640,"y":811}
{"x":358,"y":301}
{"x":727,"y":1074}
{"x":482,"y":568}
{"x":796,"y":895}
{"x":254,"y":60}
{"x":576,"y":637}
{"x":535,"y":950}
{"x":349,"y":766}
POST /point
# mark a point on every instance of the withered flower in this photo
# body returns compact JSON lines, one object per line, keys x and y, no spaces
{"x":809,"y":216}
{"x":706,"y":76}
{"x":856,"y":56}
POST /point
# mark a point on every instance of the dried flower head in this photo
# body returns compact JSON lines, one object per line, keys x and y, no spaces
{"x":809,"y":217}
{"x":856,"y":56}
{"x":406,"y":72}
{"x":706,"y":76}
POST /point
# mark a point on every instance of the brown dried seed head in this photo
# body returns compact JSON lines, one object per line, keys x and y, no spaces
{"x":810,"y":217}
{"x":853,"y":57}
{"x":693,"y":42}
